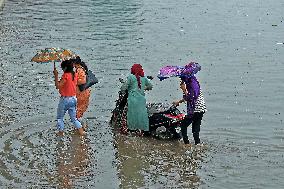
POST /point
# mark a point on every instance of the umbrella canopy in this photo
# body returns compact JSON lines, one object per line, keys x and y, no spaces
{"x":53,"y":55}
{"x":179,"y":71}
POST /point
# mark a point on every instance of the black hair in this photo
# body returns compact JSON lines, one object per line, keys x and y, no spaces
{"x":78,"y":60}
{"x":67,"y":67}
{"x":83,"y":64}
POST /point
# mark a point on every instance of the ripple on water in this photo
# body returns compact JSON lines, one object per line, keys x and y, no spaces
{"x":37,"y":157}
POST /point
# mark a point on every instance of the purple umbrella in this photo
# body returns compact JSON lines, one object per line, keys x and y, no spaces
{"x":179,"y":71}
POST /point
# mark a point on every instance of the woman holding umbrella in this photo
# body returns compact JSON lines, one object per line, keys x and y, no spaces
{"x":192,"y":95}
{"x":67,"y":89}
{"x":196,"y":107}
{"x":66,"y":85}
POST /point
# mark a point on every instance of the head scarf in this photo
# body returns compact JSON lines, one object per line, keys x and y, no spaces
{"x":193,"y":89}
{"x":138,"y":71}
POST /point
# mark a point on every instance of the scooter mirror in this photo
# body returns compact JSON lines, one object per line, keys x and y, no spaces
{"x":121,"y":80}
{"x":150,"y":77}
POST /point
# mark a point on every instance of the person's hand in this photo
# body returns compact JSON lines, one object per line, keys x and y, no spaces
{"x":183,"y":87}
{"x":55,"y":72}
{"x":176,"y":103}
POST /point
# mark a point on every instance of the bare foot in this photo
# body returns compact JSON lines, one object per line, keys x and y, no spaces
{"x":188,"y":145}
{"x":200,"y":146}
{"x":60,"y":133}
{"x":81,"y":131}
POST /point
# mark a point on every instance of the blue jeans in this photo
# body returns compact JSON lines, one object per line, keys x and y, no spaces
{"x":67,"y":104}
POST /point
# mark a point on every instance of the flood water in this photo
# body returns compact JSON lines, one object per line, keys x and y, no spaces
{"x":239,"y":45}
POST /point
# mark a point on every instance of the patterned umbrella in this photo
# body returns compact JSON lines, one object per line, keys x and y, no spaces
{"x":53,"y":55}
{"x":179,"y":71}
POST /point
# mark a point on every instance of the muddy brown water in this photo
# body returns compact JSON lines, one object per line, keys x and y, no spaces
{"x":239,"y":45}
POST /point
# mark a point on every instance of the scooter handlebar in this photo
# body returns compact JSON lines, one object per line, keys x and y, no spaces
{"x":150,"y":77}
{"x":121,"y":80}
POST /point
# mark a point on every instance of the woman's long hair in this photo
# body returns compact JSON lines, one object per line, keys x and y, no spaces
{"x":78,"y":60}
{"x":67,"y":67}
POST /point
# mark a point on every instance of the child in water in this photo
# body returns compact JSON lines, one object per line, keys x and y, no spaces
{"x":67,"y":89}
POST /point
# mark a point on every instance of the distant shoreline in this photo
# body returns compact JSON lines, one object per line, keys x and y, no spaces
{"x":1,"y":3}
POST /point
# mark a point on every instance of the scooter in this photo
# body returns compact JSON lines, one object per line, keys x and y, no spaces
{"x":164,"y":119}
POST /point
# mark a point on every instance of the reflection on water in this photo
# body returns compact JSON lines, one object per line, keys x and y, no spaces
{"x":150,"y":163}
{"x":72,"y":160}
{"x":1,"y":4}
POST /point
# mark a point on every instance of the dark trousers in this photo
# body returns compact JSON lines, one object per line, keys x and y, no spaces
{"x":196,"y":122}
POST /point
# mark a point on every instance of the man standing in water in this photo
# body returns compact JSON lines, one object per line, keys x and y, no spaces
{"x":192,"y":94}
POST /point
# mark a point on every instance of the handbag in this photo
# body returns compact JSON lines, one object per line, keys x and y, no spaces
{"x":90,"y":81}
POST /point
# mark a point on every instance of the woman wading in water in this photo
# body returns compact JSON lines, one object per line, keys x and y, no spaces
{"x":136,"y":84}
{"x":67,"y":102}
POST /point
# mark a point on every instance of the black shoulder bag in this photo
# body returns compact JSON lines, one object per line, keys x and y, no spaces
{"x":90,"y":81}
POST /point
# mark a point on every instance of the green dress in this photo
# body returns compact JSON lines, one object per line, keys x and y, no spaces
{"x":137,"y":116}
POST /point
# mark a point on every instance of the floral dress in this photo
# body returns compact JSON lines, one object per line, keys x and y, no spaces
{"x":83,"y":97}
